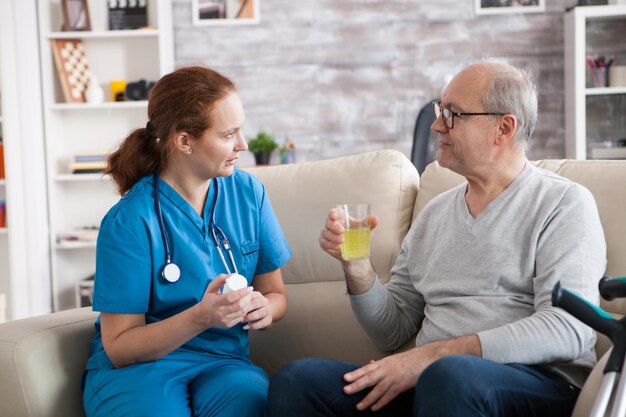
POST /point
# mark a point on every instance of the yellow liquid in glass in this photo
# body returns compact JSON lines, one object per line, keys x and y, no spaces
{"x":356,"y":243}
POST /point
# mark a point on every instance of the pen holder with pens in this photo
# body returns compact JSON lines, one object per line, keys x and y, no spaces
{"x":598,"y":71}
{"x":598,"y":77}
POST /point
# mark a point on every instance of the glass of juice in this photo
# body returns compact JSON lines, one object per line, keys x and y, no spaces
{"x":355,"y":218}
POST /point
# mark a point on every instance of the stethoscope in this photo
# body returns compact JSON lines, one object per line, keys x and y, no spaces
{"x":171,"y":271}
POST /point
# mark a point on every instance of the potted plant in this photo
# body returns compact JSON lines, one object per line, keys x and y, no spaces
{"x":262,"y":147}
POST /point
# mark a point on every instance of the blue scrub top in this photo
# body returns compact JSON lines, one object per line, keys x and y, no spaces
{"x":130,"y":255}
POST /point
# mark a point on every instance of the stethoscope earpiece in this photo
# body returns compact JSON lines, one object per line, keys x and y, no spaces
{"x":171,"y":272}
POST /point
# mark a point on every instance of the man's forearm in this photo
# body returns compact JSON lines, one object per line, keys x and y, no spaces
{"x":360,"y":275}
{"x":463,"y":345}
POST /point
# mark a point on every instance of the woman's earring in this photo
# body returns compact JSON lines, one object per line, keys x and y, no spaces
{"x":188,"y":151}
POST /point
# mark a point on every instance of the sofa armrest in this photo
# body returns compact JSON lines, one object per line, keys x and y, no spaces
{"x":42,"y":359}
{"x":589,"y":392}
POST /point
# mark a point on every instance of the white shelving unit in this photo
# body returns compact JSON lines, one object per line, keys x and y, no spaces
{"x":593,"y":115}
{"x":81,"y":200}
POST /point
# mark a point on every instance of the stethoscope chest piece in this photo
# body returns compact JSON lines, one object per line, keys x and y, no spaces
{"x":171,"y":272}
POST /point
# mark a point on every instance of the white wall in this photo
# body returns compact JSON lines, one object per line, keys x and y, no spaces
{"x":28,"y":243}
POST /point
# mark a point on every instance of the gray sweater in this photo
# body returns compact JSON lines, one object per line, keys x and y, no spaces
{"x":493,"y":275}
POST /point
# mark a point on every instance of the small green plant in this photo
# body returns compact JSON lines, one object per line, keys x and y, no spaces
{"x":262,"y":143}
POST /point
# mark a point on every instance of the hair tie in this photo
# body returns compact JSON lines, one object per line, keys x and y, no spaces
{"x":150,"y":129}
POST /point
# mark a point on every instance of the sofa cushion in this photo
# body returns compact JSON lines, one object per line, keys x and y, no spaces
{"x":302,"y":194}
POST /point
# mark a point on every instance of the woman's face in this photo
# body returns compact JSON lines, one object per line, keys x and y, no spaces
{"x":216,"y":151}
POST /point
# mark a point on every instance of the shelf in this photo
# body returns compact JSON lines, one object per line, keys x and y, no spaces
{"x":601,"y":91}
{"x":608,"y":153}
{"x":604,"y":12}
{"x":104,"y":34}
{"x":82,"y":177}
{"x":75,"y":245}
{"x":591,"y":30}
{"x":102,"y":106}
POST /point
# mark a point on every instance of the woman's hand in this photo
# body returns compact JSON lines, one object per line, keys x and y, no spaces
{"x":224,"y":310}
{"x":260,"y":313}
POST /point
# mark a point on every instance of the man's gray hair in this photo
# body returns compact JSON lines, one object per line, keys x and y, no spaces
{"x":513,"y":91}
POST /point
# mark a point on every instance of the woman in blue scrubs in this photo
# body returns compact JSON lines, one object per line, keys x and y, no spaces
{"x":167,"y":343}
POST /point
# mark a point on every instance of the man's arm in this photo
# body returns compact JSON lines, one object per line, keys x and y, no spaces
{"x":360,"y":275}
{"x":389,"y":317}
{"x":571,"y":249}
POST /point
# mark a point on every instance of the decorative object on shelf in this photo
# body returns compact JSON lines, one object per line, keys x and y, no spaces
{"x":128,"y":14}
{"x":75,"y":15}
{"x":88,"y":164}
{"x":138,"y":90}
{"x":225,"y":12}
{"x":71,"y":64}
{"x":287,"y":152}
{"x":508,"y":6}
{"x":3,"y":214}
{"x":95,"y":93}
{"x":262,"y":147}
{"x":117,"y":90}
{"x":617,"y":76}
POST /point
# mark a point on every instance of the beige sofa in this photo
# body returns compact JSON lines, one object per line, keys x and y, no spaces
{"x":41,"y":358}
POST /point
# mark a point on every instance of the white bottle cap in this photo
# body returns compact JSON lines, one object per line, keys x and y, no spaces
{"x":234,"y":282}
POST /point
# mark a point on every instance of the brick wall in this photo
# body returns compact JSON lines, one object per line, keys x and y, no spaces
{"x":347,"y":76}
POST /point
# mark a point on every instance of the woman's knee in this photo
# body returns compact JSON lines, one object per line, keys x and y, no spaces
{"x":106,"y":393}
{"x":231,"y":391}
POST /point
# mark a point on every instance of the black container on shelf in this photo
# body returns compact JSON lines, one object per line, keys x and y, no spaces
{"x":128,"y":14}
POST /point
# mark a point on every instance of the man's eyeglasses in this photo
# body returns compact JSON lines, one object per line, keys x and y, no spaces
{"x":448,"y":115}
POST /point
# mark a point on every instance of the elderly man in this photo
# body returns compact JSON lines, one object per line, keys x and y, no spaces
{"x":474,"y":277}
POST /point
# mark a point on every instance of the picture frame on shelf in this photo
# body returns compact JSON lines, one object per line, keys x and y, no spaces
{"x":225,"y":12}
{"x":75,"y":16}
{"x":509,"y":6}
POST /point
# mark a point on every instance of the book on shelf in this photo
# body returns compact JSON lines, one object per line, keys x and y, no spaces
{"x":88,"y":163}
{"x":78,"y":237}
